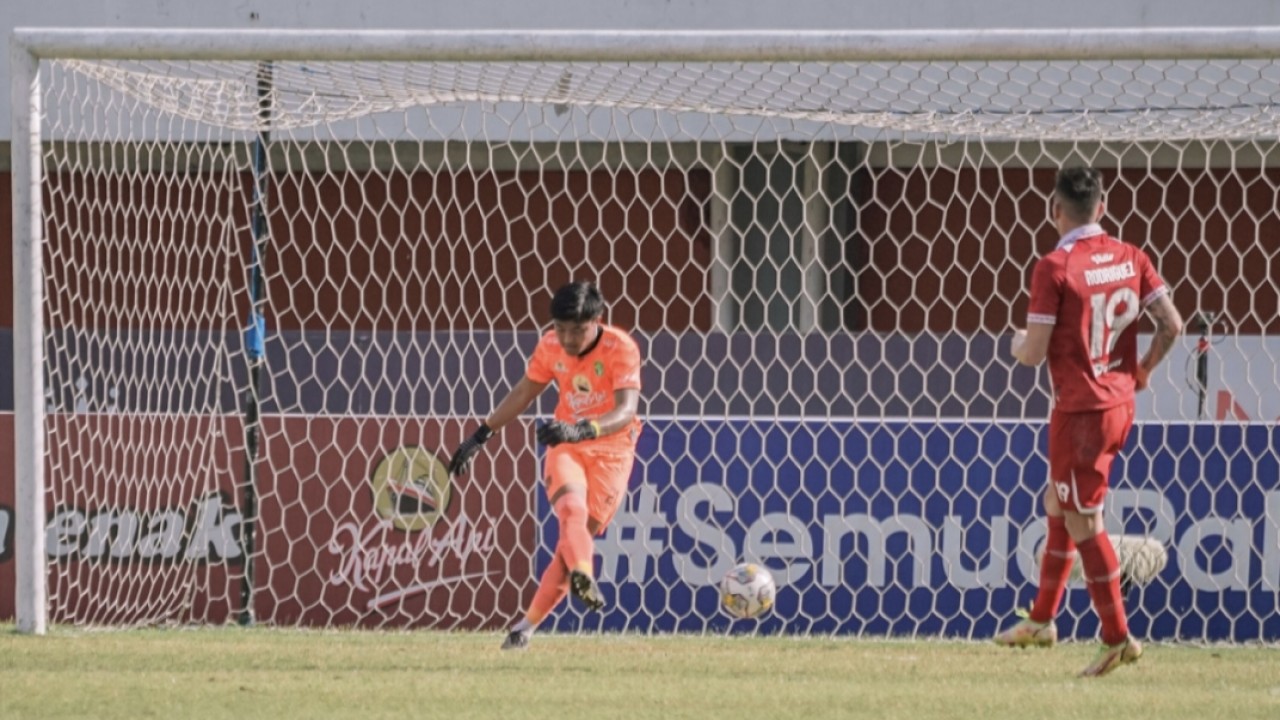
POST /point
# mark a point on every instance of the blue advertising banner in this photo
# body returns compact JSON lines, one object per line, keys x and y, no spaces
{"x":932,"y":528}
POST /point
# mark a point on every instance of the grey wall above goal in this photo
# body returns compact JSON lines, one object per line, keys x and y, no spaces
{"x":630,"y":14}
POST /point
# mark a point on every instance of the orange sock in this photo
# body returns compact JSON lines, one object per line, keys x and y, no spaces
{"x":575,"y":545}
{"x":551,"y":590}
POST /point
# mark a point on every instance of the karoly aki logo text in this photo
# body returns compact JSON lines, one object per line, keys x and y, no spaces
{"x":411,"y":493}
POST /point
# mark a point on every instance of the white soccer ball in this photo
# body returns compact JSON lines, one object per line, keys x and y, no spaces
{"x":747,"y":591}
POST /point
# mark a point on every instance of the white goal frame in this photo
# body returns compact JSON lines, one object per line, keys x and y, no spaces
{"x":30,"y":45}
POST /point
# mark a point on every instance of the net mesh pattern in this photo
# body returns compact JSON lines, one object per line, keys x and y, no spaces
{"x":822,"y":264}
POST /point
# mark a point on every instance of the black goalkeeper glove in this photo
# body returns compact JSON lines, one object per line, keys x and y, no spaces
{"x":555,"y":432}
{"x":461,"y":459}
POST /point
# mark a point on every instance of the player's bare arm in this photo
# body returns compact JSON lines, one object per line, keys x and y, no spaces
{"x":1030,"y":346}
{"x":1168,"y":327}
{"x":520,"y":397}
{"x":626,"y":401}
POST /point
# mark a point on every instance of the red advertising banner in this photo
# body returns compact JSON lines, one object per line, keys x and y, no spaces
{"x":358,"y":524}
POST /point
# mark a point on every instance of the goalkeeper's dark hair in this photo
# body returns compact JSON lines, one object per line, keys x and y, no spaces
{"x":577,"y":302}
{"x":1079,"y":190}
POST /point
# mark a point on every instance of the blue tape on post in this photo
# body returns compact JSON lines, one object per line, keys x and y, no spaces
{"x":255,"y":336}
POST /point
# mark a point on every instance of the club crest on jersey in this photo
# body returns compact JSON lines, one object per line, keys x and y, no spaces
{"x":581,"y":384}
{"x":599,"y":367}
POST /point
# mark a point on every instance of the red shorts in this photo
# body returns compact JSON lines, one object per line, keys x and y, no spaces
{"x":603,"y":466}
{"x":1082,"y":446}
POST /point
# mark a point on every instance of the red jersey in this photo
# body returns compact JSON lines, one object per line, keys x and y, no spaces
{"x":1091,"y":289}
{"x":587,"y":383}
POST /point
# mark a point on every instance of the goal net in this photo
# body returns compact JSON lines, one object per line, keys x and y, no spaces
{"x":271,"y":287}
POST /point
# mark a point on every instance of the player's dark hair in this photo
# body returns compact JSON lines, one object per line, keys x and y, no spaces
{"x":1079,"y":190}
{"x":577,"y":302}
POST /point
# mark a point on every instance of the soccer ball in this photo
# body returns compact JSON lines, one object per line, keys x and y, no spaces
{"x":747,"y":591}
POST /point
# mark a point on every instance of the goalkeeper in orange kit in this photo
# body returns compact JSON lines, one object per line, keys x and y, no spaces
{"x":591,"y":441}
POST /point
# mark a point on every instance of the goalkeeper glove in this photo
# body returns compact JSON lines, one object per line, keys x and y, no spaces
{"x":461,"y":459}
{"x":556,"y":432}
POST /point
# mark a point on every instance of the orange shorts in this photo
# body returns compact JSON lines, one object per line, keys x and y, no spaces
{"x":603,"y":467}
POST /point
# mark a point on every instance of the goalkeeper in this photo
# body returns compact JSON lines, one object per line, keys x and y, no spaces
{"x":591,"y":441}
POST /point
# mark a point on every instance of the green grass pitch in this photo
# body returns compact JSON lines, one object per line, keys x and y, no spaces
{"x":238,"y":673}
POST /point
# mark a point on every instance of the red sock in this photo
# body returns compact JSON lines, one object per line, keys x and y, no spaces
{"x":575,"y":539}
{"x":1102,"y":575}
{"x":551,"y":590}
{"x":1059,"y":552}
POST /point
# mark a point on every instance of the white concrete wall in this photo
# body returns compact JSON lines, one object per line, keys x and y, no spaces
{"x":635,"y":14}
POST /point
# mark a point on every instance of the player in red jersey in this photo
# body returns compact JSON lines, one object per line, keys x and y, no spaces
{"x":592,"y":440}
{"x":1085,"y":297}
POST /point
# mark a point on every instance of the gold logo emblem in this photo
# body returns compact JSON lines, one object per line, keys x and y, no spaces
{"x":411,"y":488}
{"x":581,"y":384}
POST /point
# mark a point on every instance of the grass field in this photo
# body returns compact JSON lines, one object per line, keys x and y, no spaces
{"x":237,"y":673}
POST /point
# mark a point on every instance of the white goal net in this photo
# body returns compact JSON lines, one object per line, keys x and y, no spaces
{"x":268,"y":296}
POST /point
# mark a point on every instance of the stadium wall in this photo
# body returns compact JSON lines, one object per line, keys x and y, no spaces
{"x":845,"y":492}
{"x":926,"y":249}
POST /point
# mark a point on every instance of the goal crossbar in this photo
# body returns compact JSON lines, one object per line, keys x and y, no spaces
{"x":651,"y":45}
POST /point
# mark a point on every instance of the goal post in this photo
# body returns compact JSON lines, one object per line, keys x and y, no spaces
{"x":254,"y":311}
{"x":30,"y":588}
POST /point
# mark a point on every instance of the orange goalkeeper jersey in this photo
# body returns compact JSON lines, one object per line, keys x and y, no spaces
{"x":587,"y":383}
